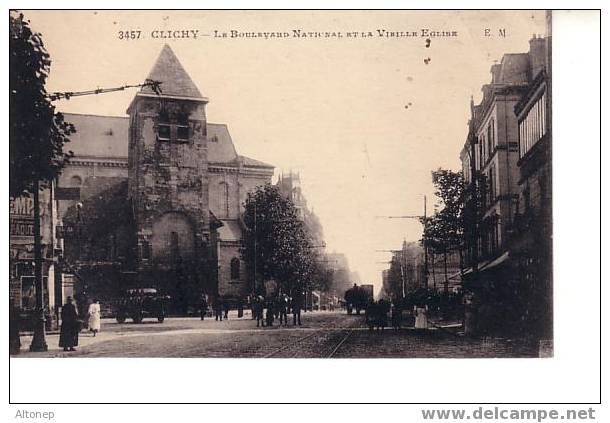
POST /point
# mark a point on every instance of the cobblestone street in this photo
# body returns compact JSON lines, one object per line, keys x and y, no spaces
{"x":323,"y":335}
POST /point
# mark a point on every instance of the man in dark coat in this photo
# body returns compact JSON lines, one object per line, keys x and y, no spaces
{"x":257,"y":311}
{"x":226,"y":307}
{"x":70,"y":326}
{"x":240,"y":308}
{"x":270,"y":312}
{"x":297,"y":305}
{"x":282,"y":308}
{"x":218,"y":309}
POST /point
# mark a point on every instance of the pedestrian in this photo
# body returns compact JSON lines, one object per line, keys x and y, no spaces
{"x":70,"y":326}
{"x":396,"y":316}
{"x":270,"y":312}
{"x":282,"y":307}
{"x":383,"y":310}
{"x":203,"y":306}
{"x":95,"y":317}
{"x":252,"y":301}
{"x":226,"y":307}
{"x":218,"y":309}
{"x":240,"y":308}
{"x":421,"y":317}
{"x":257,"y":311}
{"x":297,"y":305}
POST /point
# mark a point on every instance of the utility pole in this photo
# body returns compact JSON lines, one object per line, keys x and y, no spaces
{"x":38,"y":341}
{"x":255,"y":236}
{"x":423,"y":234}
{"x":425,"y":242}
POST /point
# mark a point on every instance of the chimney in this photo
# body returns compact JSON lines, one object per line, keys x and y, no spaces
{"x":495,"y":73}
{"x":537,"y":54}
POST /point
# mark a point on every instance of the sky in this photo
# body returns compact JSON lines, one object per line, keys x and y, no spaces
{"x":363,"y":120}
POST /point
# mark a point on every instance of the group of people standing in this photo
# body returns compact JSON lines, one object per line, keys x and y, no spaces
{"x":220,"y":307}
{"x":267,"y":310}
{"x":376,"y":315}
{"x":71,"y":324}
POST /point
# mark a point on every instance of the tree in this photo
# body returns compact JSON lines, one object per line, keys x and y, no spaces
{"x":276,"y":243}
{"x":444,"y":231}
{"x":37,"y":135}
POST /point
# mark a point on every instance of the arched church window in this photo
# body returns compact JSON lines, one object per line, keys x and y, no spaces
{"x":224,"y":199}
{"x":235,"y":264}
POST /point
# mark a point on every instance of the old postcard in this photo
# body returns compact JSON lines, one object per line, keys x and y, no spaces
{"x":281,"y":184}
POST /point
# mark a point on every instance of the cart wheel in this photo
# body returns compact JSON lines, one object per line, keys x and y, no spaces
{"x":161,"y":318}
{"x":120,"y":318}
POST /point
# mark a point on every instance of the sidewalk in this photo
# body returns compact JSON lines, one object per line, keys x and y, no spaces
{"x":84,"y":339}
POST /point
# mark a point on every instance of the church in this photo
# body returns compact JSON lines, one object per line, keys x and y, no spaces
{"x":183,"y":184}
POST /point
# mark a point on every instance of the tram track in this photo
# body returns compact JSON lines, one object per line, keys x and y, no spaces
{"x":321,"y":343}
{"x":340,"y":344}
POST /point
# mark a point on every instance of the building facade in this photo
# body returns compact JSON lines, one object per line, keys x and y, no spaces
{"x":533,"y":234}
{"x":22,"y":284}
{"x":501,"y":131}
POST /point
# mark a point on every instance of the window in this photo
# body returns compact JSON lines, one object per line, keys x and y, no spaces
{"x":492,"y":190}
{"x":163,"y":132}
{"x":224,"y":199}
{"x":235,"y":268}
{"x":489,"y":141}
{"x":532,"y":127}
{"x":182,"y":133}
{"x":163,"y":128}
{"x":182,"y":128}
{"x":491,"y":135}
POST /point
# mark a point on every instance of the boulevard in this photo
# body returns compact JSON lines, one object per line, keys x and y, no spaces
{"x":322,"y":335}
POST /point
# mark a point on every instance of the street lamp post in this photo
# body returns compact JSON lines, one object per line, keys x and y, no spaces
{"x":39,"y":342}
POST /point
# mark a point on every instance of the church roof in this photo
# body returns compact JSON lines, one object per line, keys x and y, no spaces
{"x":221,"y":149}
{"x":220,"y":144}
{"x":99,"y":136}
{"x":107,"y":136}
{"x":176,"y":82}
{"x":247,"y":161}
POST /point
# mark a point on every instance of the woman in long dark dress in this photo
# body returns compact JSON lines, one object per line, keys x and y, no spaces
{"x":68,"y":337}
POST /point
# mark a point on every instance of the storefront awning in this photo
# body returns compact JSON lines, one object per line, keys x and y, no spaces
{"x":494,"y":263}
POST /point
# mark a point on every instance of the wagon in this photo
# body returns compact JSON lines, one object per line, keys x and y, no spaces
{"x":140,"y":303}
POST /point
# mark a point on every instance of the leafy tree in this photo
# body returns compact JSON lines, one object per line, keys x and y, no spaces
{"x":276,"y":243}
{"x":443,"y":232}
{"x":37,"y":133}
{"x":102,"y":228}
{"x":36,"y":137}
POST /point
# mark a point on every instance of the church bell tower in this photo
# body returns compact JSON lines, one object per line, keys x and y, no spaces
{"x":168,"y":183}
